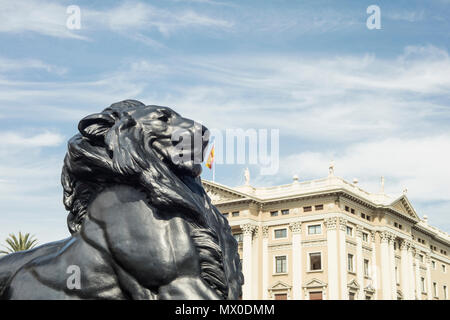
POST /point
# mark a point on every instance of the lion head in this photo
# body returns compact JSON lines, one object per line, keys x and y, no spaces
{"x":157,"y":151}
{"x":151,"y":147}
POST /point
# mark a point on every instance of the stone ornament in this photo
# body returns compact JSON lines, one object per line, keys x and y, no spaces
{"x":141,"y":224}
{"x":342,"y":224}
{"x":331,"y":223}
{"x":265,"y":231}
{"x":359,"y":231}
{"x":248,"y":229}
{"x":296,"y":227}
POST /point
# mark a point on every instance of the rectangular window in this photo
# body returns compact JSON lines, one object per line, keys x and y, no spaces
{"x":350,"y":262}
{"x":349,"y":231}
{"x":420,"y":258}
{"x":433,"y":264}
{"x":352,"y":211}
{"x":238,"y":237}
{"x":285,"y":212}
{"x":315,"y":229}
{"x":225,"y":214}
{"x":235,"y":214}
{"x":435,"y":294}
{"x":366,"y":267}
{"x":307,"y":209}
{"x":363,"y":215}
{"x":280,"y":233}
{"x":273,"y":213}
{"x":351,"y":296}
{"x":368,"y":218}
{"x":318,"y":207}
{"x":445,"y":292}
{"x":444,"y":268}
{"x":397,"y":276}
{"x":396,"y":224}
{"x":280,"y":264}
{"x":315,"y":261}
{"x":422,"y":284}
{"x":347,"y":208}
{"x":315,"y":295}
{"x":365,"y":237}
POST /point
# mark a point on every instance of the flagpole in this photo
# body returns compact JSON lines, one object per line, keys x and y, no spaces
{"x":214,"y":171}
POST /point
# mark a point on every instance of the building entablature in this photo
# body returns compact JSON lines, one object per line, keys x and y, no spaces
{"x":332,"y":187}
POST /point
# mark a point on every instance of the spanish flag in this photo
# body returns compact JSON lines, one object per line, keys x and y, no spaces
{"x":210,"y":160}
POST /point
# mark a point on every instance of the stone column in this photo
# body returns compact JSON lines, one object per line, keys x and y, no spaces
{"x":297,"y":272}
{"x":429,"y":288}
{"x":418,"y":284}
{"x":393,"y":264}
{"x":411,"y":278}
{"x":265,"y":266}
{"x":385,"y":266}
{"x":343,"y":257}
{"x":332,"y":258}
{"x":359,"y":263}
{"x":405,"y":281}
{"x":247,"y":230}
{"x":373,"y":267}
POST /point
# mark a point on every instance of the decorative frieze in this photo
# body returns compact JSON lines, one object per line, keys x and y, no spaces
{"x":331,"y":223}
{"x":248,"y":229}
{"x":385,"y":236}
{"x":296,"y":227}
{"x":265,"y":231}
{"x":359,"y":230}
{"x":342,"y":224}
{"x":404,"y":245}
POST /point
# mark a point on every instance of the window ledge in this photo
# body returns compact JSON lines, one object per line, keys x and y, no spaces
{"x":314,"y":271}
{"x":280,"y":274}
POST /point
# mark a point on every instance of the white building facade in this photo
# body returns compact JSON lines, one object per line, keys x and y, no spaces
{"x":329,"y":239}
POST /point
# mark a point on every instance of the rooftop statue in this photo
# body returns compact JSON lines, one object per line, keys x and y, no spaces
{"x":141,"y":224}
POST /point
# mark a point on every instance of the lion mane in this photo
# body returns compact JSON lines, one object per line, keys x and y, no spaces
{"x":113,"y":148}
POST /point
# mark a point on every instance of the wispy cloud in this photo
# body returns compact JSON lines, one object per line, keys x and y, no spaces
{"x":42,"y":17}
{"x":405,"y":15}
{"x":45,"y":139}
{"x":22,"y":64}
{"x":352,"y":110}
{"x":49,"y":18}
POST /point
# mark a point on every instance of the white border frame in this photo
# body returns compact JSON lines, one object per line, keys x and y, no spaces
{"x":275,"y":273}
{"x":308,"y":261}
{"x":353,"y":263}
{"x":314,"y":224}
{"x":280,"y":228}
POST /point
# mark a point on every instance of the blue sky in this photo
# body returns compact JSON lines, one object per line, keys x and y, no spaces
{"x":375,"y":101}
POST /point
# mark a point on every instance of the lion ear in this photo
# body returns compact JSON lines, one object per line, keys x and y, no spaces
{"x":96,"y":126}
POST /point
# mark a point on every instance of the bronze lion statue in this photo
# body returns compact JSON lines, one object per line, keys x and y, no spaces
{"x":141,"y":224}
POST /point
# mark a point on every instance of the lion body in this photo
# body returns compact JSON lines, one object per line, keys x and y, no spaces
{"x":141,"y":227}
{"x":125,"y":268}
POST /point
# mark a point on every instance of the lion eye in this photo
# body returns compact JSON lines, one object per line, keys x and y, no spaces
{"x":163,"y":117}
